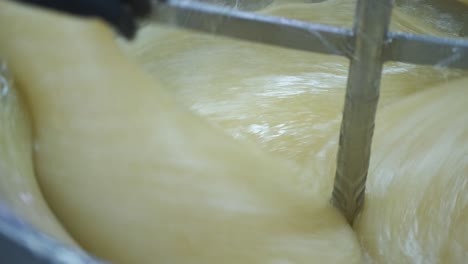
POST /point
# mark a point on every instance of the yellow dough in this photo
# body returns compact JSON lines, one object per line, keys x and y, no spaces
{"x":290,"y":103}
{"x":18,"y":187}
{"x":136,"y":178}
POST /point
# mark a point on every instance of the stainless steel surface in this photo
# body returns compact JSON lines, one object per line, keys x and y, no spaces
{"x":253,"y":27}
{"x":427,"y":50}
{"x":362,"y":95}
{"x":245,"y":5}
{"x":305,"y":36}
{"x":22,"y":244}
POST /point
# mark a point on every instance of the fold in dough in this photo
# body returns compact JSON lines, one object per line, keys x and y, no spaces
{"x":18,"y":186}
{"x":135,"y":178}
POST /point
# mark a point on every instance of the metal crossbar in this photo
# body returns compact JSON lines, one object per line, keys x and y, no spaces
{"x":299,"y":35}
{"x":368,"y":46}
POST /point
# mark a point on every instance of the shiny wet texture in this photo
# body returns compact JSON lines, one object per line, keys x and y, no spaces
{"x":136,"y":178}
{"x":290,"y":104}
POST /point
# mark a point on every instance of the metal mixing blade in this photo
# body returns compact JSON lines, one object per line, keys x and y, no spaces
{"x":362,"y":95}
